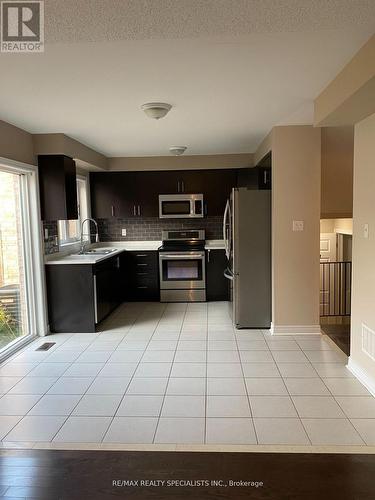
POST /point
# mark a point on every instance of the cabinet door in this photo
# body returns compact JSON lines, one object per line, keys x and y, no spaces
{"x":217,"y":287}
{"x":58,"y":187}
{"x":148,"y":186}
{"x":108,"y":281}
{"x":218,"y":185}
{"x":248,"y":178}
{"x":112,"y":194}
{"x":191,"y":181}
{"x":103,"y":195}
{"x":264,"y":178}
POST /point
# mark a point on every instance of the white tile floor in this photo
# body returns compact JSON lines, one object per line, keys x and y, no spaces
{"x":180,"y":373}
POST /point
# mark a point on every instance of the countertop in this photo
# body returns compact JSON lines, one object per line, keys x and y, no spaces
{"x":120,"y":246}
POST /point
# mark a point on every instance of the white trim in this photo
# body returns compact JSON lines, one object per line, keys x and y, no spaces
{"x":295,"y":329}
{"x":38,"y":310}
{"x":343,"y":231}
{"x":11,"y":166}
{"x":364,"y":377}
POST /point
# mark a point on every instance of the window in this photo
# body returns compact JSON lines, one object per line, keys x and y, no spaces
{"x":21,"y":297}
{"x":70,"y":230}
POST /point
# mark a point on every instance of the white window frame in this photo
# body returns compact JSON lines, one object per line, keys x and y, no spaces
{"x":64,"y":241}
{"x":33,"y":254}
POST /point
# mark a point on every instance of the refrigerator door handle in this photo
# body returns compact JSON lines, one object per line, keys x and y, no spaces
{"x":227,"y":230}
{"x":225,"y":222}
{"x":228,"y":274}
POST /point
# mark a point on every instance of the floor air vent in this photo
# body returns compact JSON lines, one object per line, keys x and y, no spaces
{"x":368,"y":341}
{"x":46,"y":346}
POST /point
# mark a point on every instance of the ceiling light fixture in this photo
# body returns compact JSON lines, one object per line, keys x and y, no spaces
{"x":177,"y":150}
{"x":156,"y":110}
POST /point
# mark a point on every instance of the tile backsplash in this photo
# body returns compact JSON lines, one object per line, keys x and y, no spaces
{"x":51,"y":244}
{"x":139,"y":229}
{"x":150,"y":228}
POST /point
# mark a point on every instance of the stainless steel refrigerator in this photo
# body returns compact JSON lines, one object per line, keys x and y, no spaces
{"x":247,"y":236}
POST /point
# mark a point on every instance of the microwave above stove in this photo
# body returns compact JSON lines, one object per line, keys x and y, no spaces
{"x":181,"y":206}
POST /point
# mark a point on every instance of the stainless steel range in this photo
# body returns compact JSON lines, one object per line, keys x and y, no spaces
{"x":182,"y":266}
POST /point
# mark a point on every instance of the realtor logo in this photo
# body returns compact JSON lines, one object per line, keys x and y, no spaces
{"x":22,"y":26}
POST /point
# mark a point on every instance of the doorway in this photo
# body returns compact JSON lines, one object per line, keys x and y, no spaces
{"x":336,"y":280}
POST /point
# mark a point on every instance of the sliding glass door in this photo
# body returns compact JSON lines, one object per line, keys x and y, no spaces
{"x":16,"y":300}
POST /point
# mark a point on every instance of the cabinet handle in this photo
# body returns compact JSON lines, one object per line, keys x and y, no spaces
{"x":141,"y":255}
{"x":113,"y":211}
{"x":265,"y":177}
{"x":139,"y":210}
{"x":142,"y":287}
{"x":95,"y":300}
{"x":142,"y":274}
{"x":134,"y":212}
{"x":178,"y":187}
{"x":182,"y":186}
{"x":208,"y":255}
{"x":142,"y":264}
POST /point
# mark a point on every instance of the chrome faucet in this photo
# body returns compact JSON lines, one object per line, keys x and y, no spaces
{"x":82,"y":250}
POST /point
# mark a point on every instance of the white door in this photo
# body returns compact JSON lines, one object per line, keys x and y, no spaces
{"x":328,"y":253}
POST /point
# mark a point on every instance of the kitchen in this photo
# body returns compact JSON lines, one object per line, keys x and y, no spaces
{"x":162,"y":166}
{"x":184,"y":251}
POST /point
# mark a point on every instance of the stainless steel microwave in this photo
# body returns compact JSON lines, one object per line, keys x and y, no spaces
{"x":181,"y":206}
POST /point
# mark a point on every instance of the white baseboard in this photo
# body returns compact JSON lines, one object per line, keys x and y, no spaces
{"x":295,"y":329}
{"x":365,"y":378}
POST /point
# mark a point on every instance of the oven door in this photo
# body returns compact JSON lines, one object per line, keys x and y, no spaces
{"x":182,"y":270}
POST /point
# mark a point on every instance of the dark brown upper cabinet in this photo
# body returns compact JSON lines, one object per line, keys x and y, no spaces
{"x":58,"y":187}
{"x":136,"y":194}
{"x":265,"y":172}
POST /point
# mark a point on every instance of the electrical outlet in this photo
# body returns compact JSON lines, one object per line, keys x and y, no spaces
{"x":298,"y":225}
{"x":123,"y":232}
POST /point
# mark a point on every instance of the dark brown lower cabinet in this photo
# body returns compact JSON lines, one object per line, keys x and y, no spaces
{"x":141,"y":275}
{"x":82,"y":295}
{"x":217,"y":284}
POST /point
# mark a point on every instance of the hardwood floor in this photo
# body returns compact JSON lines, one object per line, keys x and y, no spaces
{"x":340,"y":334}
{"x":69,"y":475}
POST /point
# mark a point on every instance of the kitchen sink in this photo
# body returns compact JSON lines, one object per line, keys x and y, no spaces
{"x":99,"y":251}
{"x":95,"y":251}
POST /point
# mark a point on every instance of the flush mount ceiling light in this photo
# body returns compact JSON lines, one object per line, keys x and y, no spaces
{"x":177,"y":150}
{"x":156,"y":110}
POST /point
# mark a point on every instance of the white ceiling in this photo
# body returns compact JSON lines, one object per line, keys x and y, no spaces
{"x":232,"y":69}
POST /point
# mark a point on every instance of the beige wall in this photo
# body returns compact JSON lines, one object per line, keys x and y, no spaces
{"x":182,"y":162}
{"x":363,"y":289}
{"x":349,"y":98}
{"x":337,"y":172}
{"x":63,"y":144}
{"x":296,"y":152}
{"x":264,"y":148}
{"x":16,"y":144}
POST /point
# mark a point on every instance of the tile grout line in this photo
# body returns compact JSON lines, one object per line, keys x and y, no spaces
{"x":80,"y":399}
{"x":247,"y":393}
{"x":291,"y":399}
{"x":26,"y":349}
{"x":102,"y":333}
{"x":41,"y":396}
{"x":350,"y":422}
{"x":170,"y":371}
{"x":206,"y":382}
{"x":132,"y":377}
